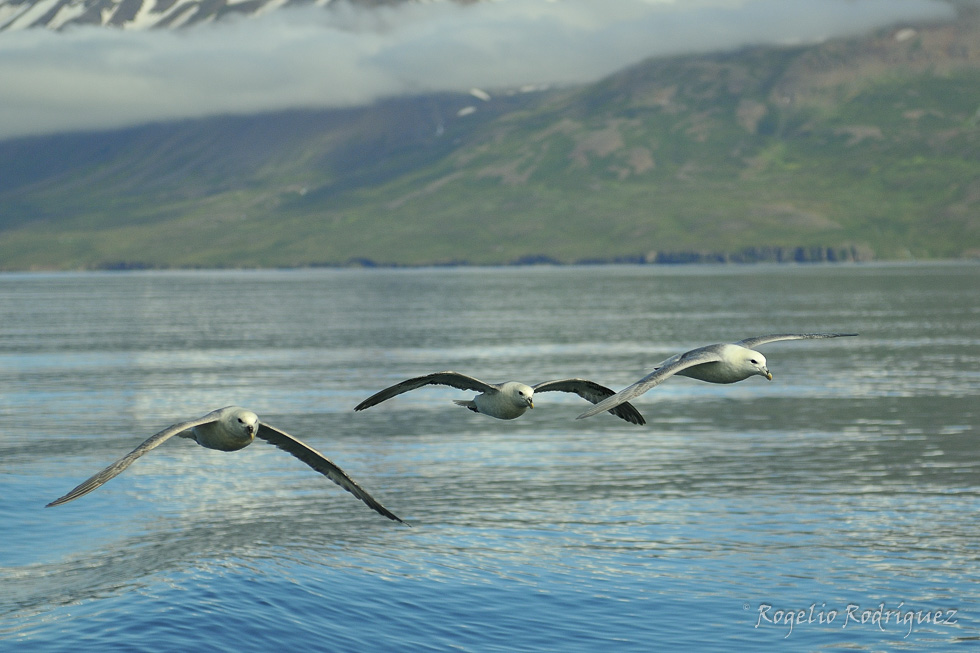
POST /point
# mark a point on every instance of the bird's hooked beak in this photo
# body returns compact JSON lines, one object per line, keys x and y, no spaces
{"x":766,"y":373}
{"x":530,"y":402}
{"x":250,"y":429}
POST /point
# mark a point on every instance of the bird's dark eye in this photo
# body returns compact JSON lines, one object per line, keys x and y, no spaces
{"x":753,"y":361}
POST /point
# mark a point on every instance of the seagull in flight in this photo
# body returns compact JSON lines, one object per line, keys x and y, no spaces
{"x":720,"y":363}
{"x":505,"y":400}
{"x":230,"y":429}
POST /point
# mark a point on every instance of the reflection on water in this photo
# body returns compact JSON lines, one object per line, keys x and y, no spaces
{"x":851,"y":478}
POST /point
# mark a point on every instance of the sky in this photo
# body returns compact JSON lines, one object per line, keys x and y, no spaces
{"x":316,"y":57}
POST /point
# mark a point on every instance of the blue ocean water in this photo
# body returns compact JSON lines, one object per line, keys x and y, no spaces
{"x":834,"y":507}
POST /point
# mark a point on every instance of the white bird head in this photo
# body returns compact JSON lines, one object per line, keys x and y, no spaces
{"x":242,"y":423}
{"x":232,"y":429}
{"x":521,"y":395}
{"x":755,"y":363}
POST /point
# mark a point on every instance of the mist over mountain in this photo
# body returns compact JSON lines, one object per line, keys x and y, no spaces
{"x":856,"y":148}
{"x":255,"y":57}
{"x":146,"y":14}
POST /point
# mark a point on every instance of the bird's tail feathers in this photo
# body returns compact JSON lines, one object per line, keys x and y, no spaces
{"x":466,"y":403}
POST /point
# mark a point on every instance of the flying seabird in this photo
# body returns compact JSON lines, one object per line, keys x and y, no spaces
{"x":720,"y":363}
{"x":505,"y":400}
{"x":230,"y":429}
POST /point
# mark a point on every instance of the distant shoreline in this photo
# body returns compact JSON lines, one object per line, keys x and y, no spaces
{"x":536,"y":263}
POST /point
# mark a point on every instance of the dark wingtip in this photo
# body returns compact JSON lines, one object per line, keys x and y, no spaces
{"x":633,"y":417}
{"x":393,"y":517}
{"x":632,"y":414}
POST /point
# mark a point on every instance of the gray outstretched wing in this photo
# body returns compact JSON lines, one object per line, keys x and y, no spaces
{"x":664,"y":371}
{"x":593,"y":392}
{"x":452,"y":379}
{"x":117,"y":467}
{"x":752,"y":343}
{"x":322,"y":464}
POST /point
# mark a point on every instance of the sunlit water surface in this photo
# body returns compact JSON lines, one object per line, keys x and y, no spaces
{"x":843,"y":494}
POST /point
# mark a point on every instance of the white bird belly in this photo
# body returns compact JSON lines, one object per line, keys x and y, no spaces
{"x":717,"y":372}
{"x":499,"y":406}
{"x":215,"y":436}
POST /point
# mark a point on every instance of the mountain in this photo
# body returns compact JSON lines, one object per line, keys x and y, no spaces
{"x":142,"y":14}
{"x":854,"y":149}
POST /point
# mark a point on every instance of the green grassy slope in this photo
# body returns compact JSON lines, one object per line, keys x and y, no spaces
{"x":858,"y":149}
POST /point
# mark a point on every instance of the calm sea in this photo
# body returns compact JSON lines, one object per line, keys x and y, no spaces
{"x":837,"y":506}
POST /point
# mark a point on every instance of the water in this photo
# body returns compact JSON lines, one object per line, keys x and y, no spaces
{"x":850,"y":483}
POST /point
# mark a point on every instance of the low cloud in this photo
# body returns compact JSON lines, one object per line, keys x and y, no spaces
{"x":95,"y":78}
